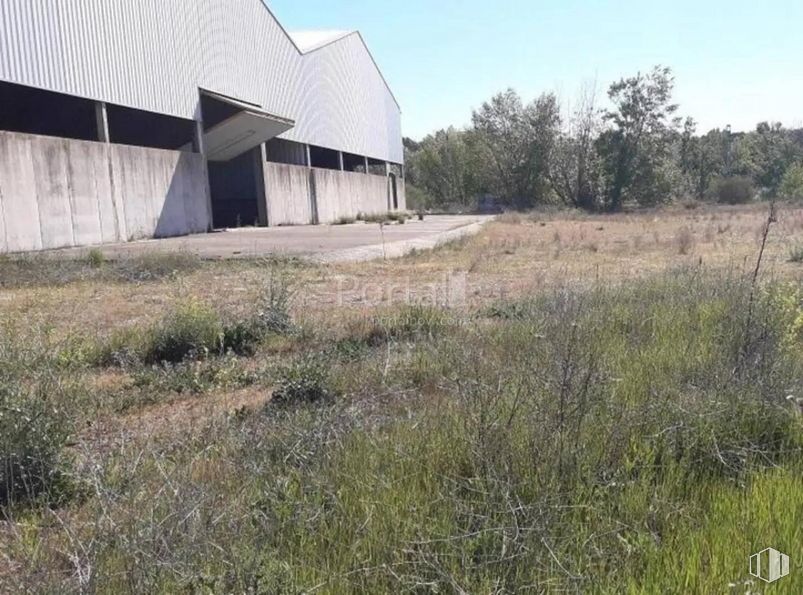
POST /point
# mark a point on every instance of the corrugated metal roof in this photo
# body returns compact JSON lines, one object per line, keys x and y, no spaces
{"x":155,"y":55}
{"x":309,"y":41}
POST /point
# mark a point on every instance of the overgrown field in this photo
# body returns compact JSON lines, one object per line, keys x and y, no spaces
{"x":588,"y":436}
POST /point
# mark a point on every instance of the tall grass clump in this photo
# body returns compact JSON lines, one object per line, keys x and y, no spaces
{"x":191,"y":330}
{"x":34,"y":425}
{"x":33,"y":433}
{"x":305,"y":381}
{"x":271,"y":316}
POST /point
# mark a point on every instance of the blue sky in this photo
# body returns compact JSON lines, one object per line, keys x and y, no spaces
{"x":736,"y":62}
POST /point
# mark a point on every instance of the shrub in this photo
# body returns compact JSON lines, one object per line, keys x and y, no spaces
{"x":95,"y":258}
{"x":418,"y":198}
{"x":792,"y":184}
{"x":690,"y":204}
{"x":398,"y":216}
{"x":305,"y":381}
{"x":734,"y":191}
{"x":194,"y":377}
{"x":376,"y":218}
{"x":191,"y":330}
{"x":273,"y":304}
{"x":345,"y":221}
{"x":272,"y":317}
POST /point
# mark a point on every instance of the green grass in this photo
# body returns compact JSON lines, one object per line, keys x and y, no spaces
{"x":47,"y":270}
{"x":635,"y":438}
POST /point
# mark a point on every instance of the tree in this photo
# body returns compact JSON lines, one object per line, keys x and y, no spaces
{"x":574,"y":172}
{"x":443,"y":167}
{"x":703,"y":158}
{"x":514,"y":143}
{"x":792,"y":184}
{"x":772,"y":152}
{"x":635,"y":150}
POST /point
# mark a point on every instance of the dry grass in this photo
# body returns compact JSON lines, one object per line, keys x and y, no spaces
{"x":516,"y":255}
{"x":178,"y":443}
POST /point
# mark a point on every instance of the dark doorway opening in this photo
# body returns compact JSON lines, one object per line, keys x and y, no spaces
{"x":234,"y":186}
{"x":394,"y":192}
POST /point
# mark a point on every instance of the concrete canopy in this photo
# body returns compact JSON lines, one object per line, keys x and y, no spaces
{"x":248,"y":128}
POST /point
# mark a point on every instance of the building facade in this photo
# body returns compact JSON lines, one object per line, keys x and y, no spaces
{"x":127,"y":119}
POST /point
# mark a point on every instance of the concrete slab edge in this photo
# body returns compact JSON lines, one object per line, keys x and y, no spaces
{"x":396,"y":249}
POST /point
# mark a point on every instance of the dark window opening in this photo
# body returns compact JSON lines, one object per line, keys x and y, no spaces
{"x":146,"y":129}
{"x":34,"y":111}
{"x":376,"y":167}
{"x":324,"y":158}
{"x":278,"y":150}
{"x":354,"y":163}
{"x":234,"y":187}
{"x":215,"y":111}
{"x":396,"y":170}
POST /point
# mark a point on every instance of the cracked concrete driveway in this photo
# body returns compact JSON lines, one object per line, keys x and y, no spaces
{"x":321,"y":243}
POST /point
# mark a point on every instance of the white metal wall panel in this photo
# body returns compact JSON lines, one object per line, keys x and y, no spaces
{"x":155,"y":54}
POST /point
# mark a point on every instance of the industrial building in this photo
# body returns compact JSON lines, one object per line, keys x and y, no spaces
{"x":129,"y":119}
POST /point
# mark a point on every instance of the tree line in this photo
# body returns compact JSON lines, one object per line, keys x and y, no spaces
{"x":638,"y":151}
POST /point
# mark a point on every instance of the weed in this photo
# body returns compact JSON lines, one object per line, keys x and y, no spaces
{"x":684,"y":240}
{"x":95,"y":258}
{"x":33,"y":432}
{"x":796,"y":254}
{"x":193,"y":377}
{"x":191,"y":330}
{"x":45,"y":270}
{"x":305,"y":381}
{"x":153,"y":266}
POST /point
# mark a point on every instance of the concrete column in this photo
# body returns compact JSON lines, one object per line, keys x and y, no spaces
{"x":340,"y":160}
{"x":200,"y":147}
{"x":309,"y":156}
{"x":198,"y":144}
{"x":260,"y":159}
{"x":366,"y":165}
{"x":387,"y":169}
{"x":102,"y":118}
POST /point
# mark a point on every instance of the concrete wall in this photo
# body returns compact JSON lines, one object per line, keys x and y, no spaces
{"x":345,"y":194}
{"x":58,"y":192}
{"x":288,"y":194}
{"x":292,"y":191}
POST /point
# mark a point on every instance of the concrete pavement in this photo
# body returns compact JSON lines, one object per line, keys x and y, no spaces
{"x":320,"y":243}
